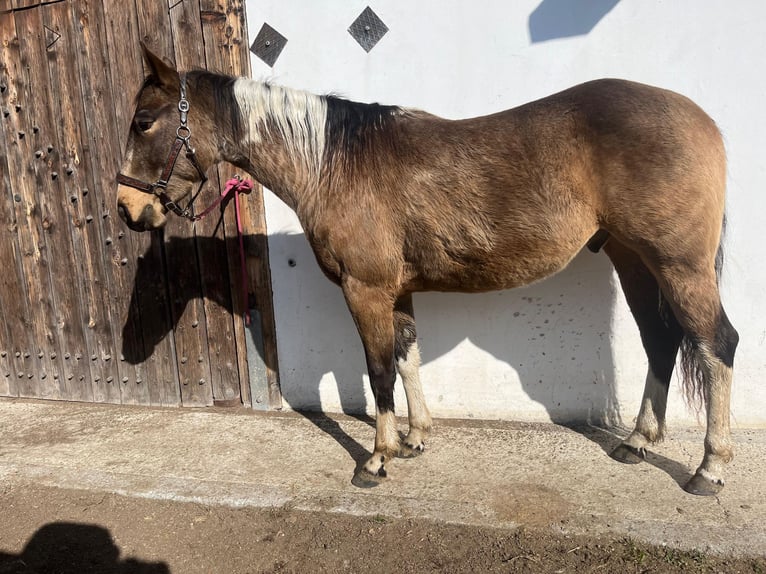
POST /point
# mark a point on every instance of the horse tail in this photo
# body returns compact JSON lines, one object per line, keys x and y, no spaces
{"x":692,"y":372}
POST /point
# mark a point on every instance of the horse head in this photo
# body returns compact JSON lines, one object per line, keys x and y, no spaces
{"x":169,"y":149}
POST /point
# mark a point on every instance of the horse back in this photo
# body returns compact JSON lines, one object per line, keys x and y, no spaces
{"x":507,"y":199}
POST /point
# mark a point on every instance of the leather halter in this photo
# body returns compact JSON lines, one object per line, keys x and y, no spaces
{"x":159,"y":187}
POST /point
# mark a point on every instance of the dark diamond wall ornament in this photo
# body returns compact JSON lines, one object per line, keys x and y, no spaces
{"x":368,"y":29}
{"x":268,"y":44}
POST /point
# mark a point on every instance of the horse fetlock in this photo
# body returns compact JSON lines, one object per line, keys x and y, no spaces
{"x":417,"y":435}
{"x":651,"y":434}
{"x":718,"y":451}
{"x":411,"y":449}
{"x":375,"y":465}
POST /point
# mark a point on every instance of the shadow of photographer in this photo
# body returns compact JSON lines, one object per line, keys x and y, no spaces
{"x":73,"y":548}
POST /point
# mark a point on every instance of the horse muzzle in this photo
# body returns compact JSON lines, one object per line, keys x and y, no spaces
{"x":141,"y":216}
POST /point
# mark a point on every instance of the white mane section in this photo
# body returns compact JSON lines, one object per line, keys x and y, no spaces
{"x":298,"y":116}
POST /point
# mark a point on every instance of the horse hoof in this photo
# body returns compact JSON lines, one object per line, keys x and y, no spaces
{"x":702,"y":486}
{"x":627,"y":454}
{"x":365,"y":479}
{"x":411,"y":451}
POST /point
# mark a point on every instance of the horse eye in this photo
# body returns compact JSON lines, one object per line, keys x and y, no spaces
{"x":144,"y":120}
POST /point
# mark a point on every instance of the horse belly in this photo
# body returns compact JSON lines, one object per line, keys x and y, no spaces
{"x":500,"y":269}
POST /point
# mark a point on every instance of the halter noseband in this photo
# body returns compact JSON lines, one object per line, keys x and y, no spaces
{"x":159,"y":187}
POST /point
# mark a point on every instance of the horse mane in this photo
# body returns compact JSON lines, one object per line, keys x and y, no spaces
{"x":352,"y":127}
{"x":317,"y":130}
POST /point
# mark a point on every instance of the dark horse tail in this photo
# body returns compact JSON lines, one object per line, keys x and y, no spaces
{"x":692,"y":374}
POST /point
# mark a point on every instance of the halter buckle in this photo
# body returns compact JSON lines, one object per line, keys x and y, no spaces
{"x":175,"y":208}
{"x":183,"y":103}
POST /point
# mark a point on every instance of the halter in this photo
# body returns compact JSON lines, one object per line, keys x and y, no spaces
{"x":159,"y":187}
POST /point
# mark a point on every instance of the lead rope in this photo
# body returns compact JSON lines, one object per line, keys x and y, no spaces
{"x":235,"y":185}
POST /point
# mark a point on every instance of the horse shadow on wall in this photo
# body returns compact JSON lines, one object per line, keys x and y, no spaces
{"x":555,"y":335}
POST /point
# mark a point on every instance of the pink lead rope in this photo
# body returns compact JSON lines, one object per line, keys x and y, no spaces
{"x":235,"y":185}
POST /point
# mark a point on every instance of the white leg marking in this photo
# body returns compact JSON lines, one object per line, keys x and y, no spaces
{"x":718,"y":446}
{"x":417,"y":410}
{"x":651,"y":417}
{"x":386,"y":442}
{"x":650,"y":425}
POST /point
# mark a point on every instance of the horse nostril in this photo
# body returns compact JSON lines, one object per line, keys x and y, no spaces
{"x":123,"y":213}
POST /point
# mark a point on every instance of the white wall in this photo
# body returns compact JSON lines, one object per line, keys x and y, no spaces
{"x":567,"y":347}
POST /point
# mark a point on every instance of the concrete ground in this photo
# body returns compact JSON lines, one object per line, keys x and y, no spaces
{"x":479,"y":473}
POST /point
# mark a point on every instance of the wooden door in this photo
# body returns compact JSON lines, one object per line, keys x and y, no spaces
{"x":93,"y":312}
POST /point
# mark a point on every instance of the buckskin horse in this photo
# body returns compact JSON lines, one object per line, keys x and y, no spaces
{"x":395,"y":201}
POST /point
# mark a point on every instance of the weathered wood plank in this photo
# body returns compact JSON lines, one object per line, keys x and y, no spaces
{"x":155,"y":31}
{"x":218,"y":352}
{"x":93,"y":63}
{"x":60,"y":120}
{"x":187,"y":310}
{"x":154,"y":27}
{"x":16,"y":306}
{"x":149,"y":326}
{"x":219,"y":26}
{"x":147,"y":340}
{"x":120,"y":21}
{"x":226,"y":46}
{"x":12,"y":306}
{"x":40,"y":371}
{"x":89,"y":346}
{"x":259,"y":273}
{"x":18,"y":4}
{"x":184,"y":275}
{"x":8,"y":279}
{"x":227,"y":341}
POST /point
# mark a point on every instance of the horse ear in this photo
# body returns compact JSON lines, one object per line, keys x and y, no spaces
{"x":164,"y":73}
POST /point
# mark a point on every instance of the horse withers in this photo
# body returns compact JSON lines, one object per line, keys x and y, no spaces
{"x":395,"y":201}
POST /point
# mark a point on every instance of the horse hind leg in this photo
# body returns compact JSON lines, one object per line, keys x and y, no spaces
{"x":708,"y":348}
{"x":714,"y":358}
{"x":407,"y":357}
{"x":661,"y":335}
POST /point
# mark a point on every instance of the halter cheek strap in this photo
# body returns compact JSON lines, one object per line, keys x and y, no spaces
{"x":159,"y":187}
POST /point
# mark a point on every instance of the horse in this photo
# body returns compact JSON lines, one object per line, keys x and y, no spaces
{"x":395,"y":201}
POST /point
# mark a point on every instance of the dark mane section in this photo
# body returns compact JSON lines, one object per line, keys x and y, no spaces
{"x":351,"y":127}
{"x":221,"y":87}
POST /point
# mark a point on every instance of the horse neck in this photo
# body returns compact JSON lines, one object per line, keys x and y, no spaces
{"x":279,"y":138}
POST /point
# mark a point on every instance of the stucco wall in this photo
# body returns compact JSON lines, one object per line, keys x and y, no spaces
{"x":567,"y":347}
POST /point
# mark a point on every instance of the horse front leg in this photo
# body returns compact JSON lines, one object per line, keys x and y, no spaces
{"x":373,"y":310}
